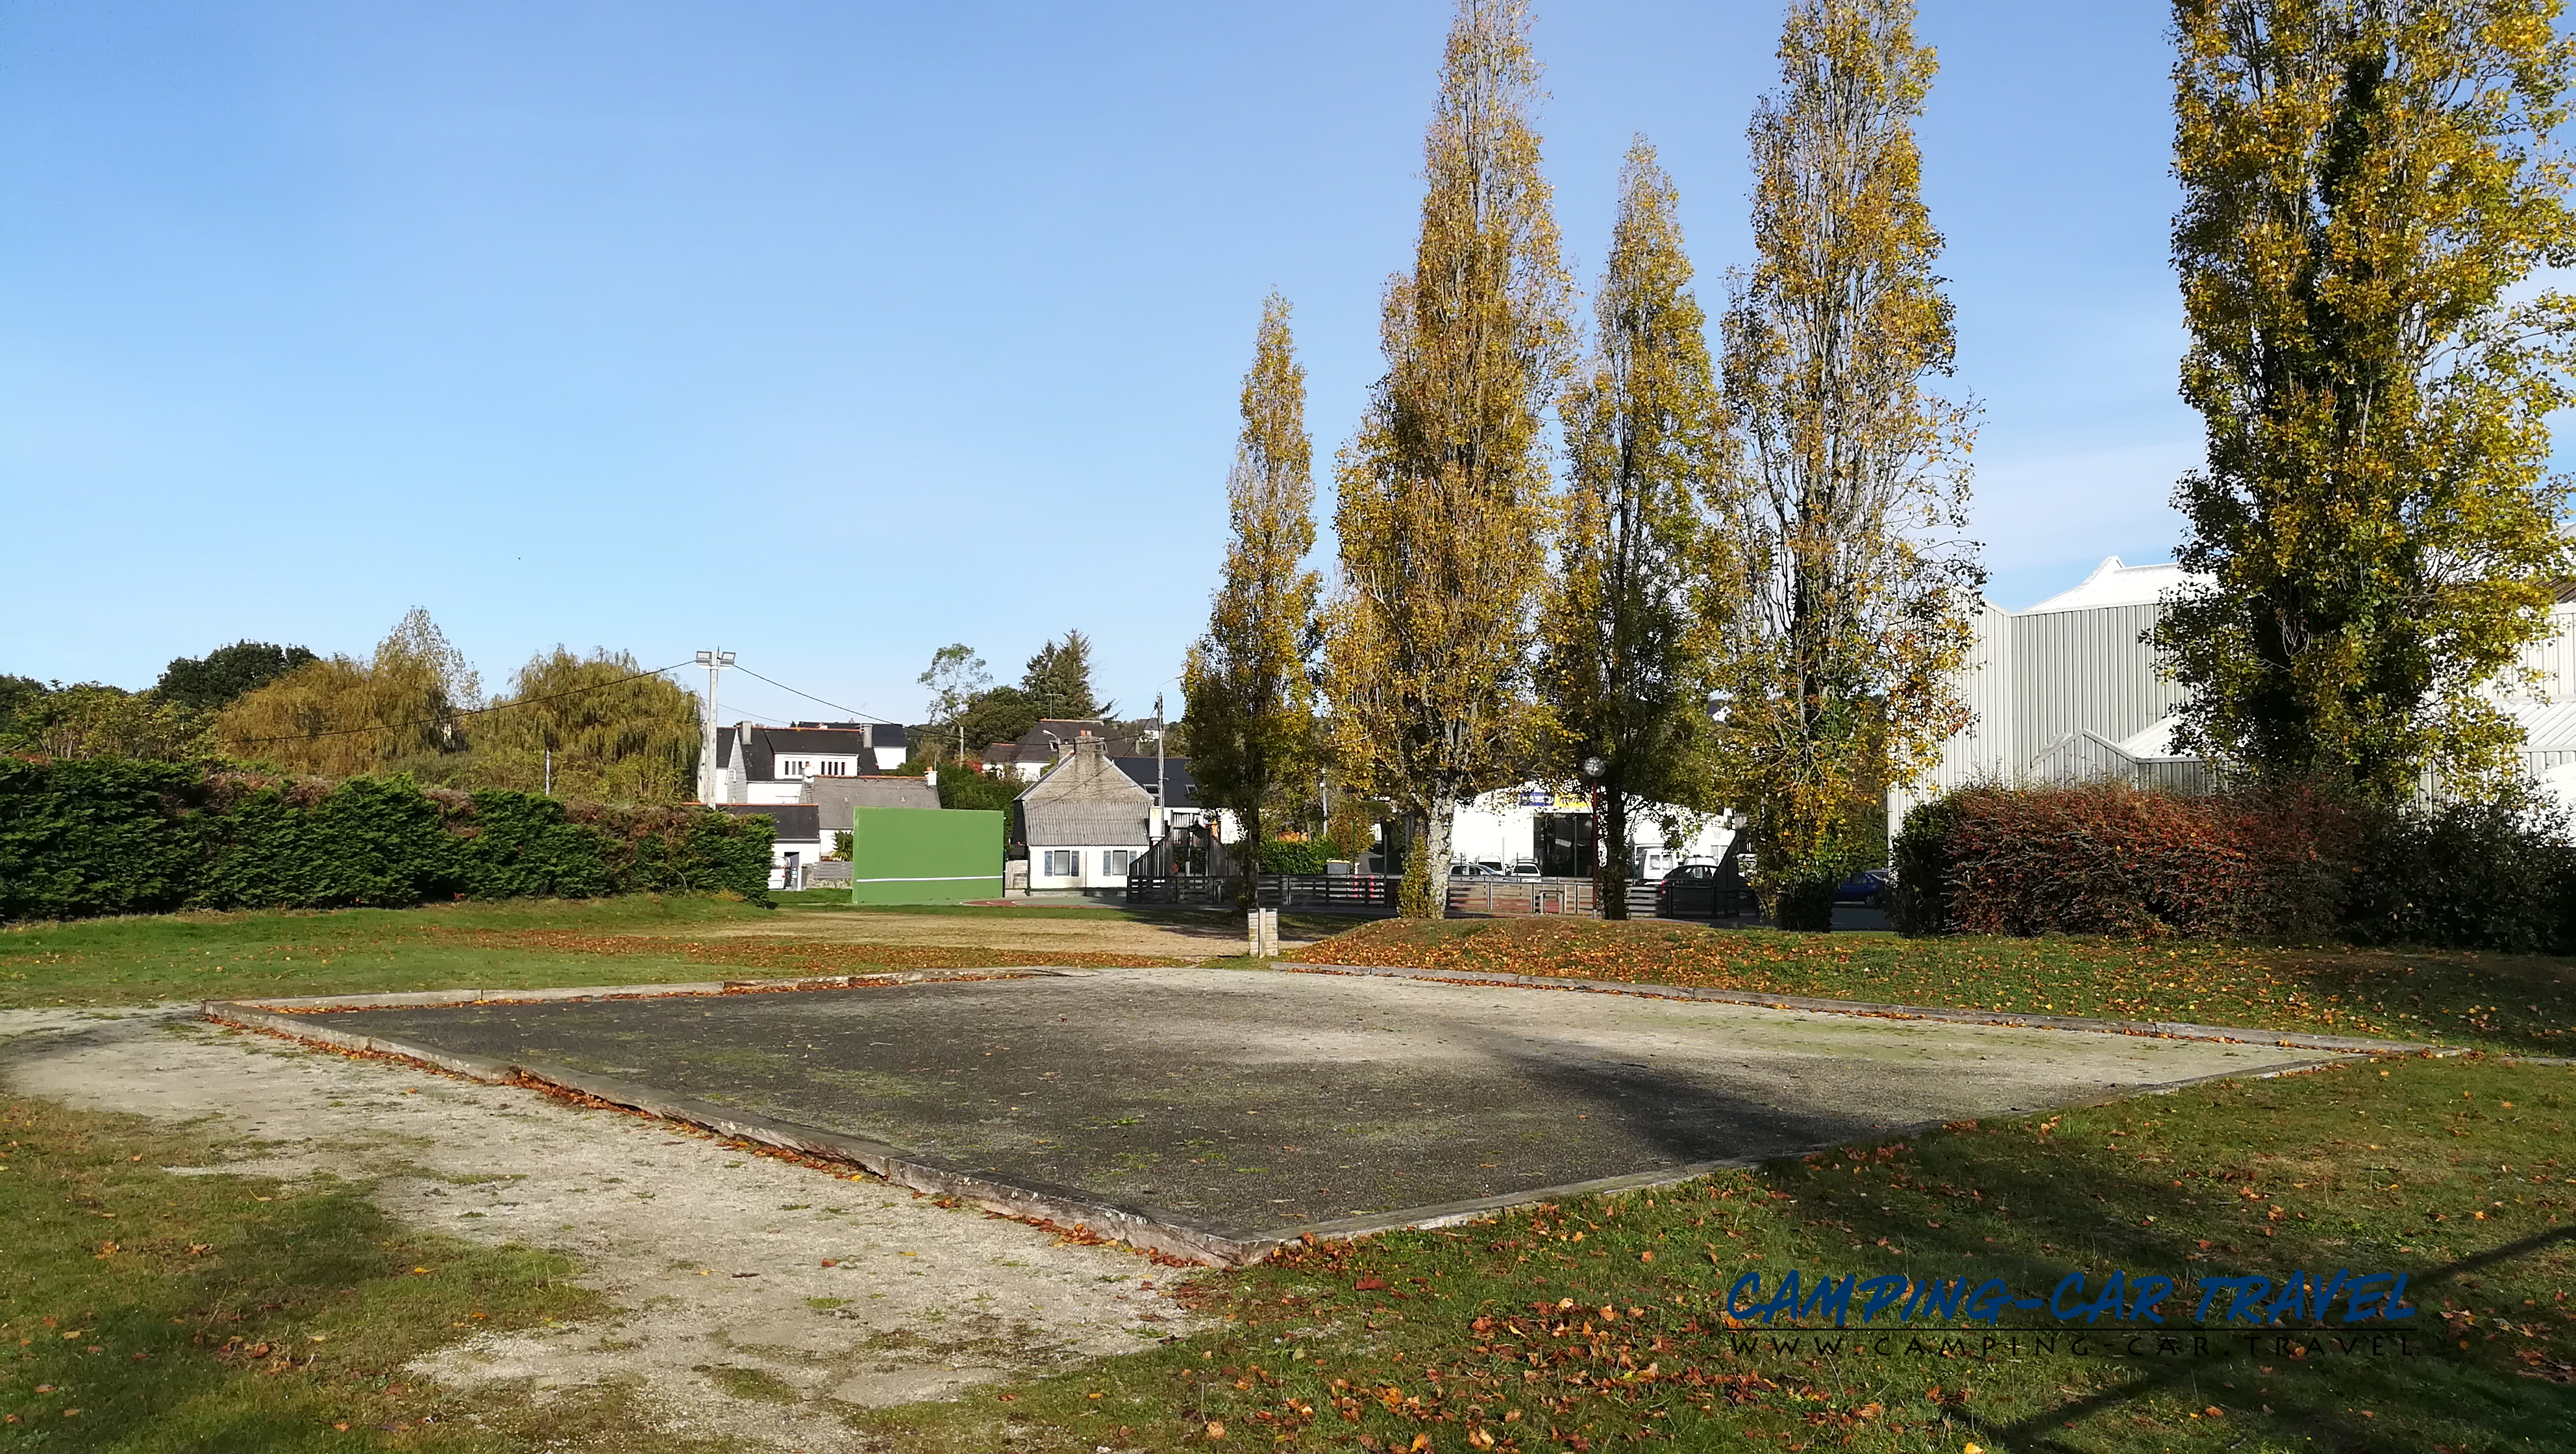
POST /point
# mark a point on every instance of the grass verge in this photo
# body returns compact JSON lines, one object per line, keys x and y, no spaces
{"x":2521,"y":1004}
{"x":1599,"y":1323}
{"x":1291,"y":921}
{"x":147,"y":1310}
{"x":515,"y":945}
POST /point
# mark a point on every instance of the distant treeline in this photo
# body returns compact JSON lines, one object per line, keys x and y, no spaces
{"x":594,"y":727}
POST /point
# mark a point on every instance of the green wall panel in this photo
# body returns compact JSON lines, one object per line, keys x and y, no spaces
{"x":924,"y":855}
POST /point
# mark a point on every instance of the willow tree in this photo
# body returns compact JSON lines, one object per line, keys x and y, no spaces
{"x":1251,"y":706}
{"x":2365,"y":183}
{"x":339,"y":717}
{"x":597,"y":727}
{"x":1444,"y":490}
{"x":1621,"y":674}
{"x":1848,"y":592}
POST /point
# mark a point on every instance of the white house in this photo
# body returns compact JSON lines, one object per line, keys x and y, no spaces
{"x":1535,"y":828}
{"x":757,"y":764}
{"x":1176,"y":796}
{"x":799,"y":838}
{"x":1040,"y":747}
{"x":2068,"y":691}
{"x":1084,"y":822}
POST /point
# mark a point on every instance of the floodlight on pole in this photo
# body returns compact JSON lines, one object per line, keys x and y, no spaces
{"x":710,"y":785}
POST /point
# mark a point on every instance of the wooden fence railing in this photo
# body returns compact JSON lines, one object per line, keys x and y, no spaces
{"x":1504,"y":898}
{"x":1361,"y":891}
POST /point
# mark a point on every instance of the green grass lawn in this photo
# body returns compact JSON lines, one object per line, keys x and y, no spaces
{"x":2521,"y":1004}
{"x":1290,"y":921}
{"x":143,"y":1311}
{"x":218,"y":1320}
{"x":516,"y":945}
{"x":1598,"y":1324}
{"x":155,"y":957}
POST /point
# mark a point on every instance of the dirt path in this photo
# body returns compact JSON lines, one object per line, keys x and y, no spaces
{"x":730,"y":1322}
{"x":1220,"y":934}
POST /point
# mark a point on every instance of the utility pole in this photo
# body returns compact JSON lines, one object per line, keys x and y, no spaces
{"x":708,"y":783}
{"x":1160,"y":732}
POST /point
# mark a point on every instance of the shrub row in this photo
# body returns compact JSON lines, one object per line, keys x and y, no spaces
{"x":2106,"y":858}
{"x":95,"y":836}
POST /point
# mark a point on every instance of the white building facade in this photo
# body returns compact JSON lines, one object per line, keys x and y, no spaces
{"x":1538,"y":829}
{"x":757,"y":764}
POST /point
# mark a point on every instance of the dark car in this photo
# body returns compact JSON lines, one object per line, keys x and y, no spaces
{"x":1703,"y":891}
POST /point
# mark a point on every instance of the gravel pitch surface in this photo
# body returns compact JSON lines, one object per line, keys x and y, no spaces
{"x":1250,"y":1102}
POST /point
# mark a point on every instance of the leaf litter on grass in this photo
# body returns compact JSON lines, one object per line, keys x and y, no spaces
{"x":2525,"y":1004}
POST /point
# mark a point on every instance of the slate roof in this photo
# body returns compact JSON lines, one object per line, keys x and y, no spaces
{"x":1177,"y":782}
{"x":880,"y":734}
{"x":1085,"y":799}
{"x":762,"y":746}
{"x":791,"y":822}
{"x":836,"y":796}
{"x":1053,"y":734}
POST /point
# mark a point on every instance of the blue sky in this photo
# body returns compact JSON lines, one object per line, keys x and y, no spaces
{"x":834,"y":332}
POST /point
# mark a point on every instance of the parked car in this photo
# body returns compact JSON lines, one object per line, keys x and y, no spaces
{"x":1702,"y":890}
{"x":1475,"y":868}
{"x":1863,"y":887}
{"x":1524,"y":868}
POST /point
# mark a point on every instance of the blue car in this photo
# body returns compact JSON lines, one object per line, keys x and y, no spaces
{"x":1863,"y":887}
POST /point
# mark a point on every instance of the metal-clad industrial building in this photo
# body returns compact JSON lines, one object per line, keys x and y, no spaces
{"x":2068,"y":690}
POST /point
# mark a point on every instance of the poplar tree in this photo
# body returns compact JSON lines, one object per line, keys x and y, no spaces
{"x":1621,"y":673}
{"x":2365,"y":183}
{"x":1444,"y":490}
{"x":1848,"y":604}
{"x":1251,"y":706}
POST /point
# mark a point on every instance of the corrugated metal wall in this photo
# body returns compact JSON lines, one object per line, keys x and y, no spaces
{"x":2554,"y":658}
{"x":1987,"y":747}
{"x":2077,"y":671}
{"x":2082,"y":758}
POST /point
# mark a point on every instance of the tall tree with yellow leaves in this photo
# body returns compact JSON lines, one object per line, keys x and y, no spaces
{"x":1849,"y":590}
{"x":2365,"y":183}
{"x":1444,"y":490}
{"x":1622,"y":680}
{"x":1251,"y":706}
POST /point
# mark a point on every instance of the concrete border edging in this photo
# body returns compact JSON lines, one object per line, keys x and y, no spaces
{"x":2149,"y":1029}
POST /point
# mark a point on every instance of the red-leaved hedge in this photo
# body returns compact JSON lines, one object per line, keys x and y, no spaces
{"x":2107,"y":858}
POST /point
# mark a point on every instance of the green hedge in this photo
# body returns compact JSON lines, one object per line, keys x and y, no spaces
{"x":2105,"y":858}
{"x":1292,"y":856}
{"x":101,"y":836}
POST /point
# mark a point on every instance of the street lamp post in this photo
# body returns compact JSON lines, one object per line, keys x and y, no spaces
{"x":1593,"y":769}
{"x":708,"y":783}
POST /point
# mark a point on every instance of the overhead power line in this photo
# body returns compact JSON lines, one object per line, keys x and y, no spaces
{"x":809,"y":696}
{"x":466,"y":712}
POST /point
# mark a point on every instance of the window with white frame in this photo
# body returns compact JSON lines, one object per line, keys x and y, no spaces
{"x":795,"y":767}
{"x":1064,"y":863}
{"x":832,"y":767}
{"x":1114,"y":861}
